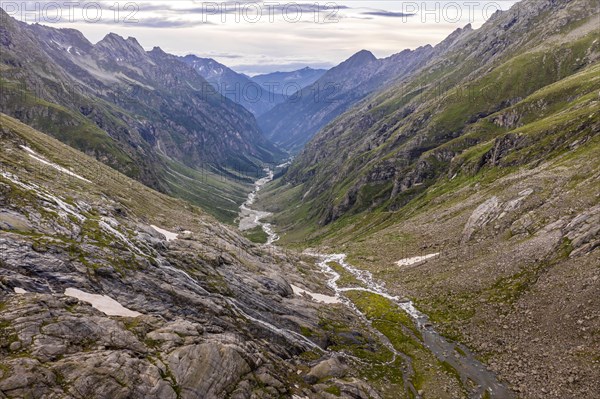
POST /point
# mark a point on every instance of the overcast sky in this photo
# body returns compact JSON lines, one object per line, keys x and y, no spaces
{"x":264,"y":36}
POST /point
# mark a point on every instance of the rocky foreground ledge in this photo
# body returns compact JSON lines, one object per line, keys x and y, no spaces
{"x":197,"y":313}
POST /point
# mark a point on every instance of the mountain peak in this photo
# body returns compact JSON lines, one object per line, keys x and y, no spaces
{"x":453,"y":37}
{"x":113,"y":37}
{"x":194,"y":58}
{"x":359,"y":59}
{"x":132,"y":40}
{"x":121,"y":47}
{"x":363,"y":56}
{"x":157,"y":50}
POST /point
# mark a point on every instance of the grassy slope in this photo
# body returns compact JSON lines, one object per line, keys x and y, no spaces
{"x":134,"y":196}
{"x":415,"y":128}
{"x":550,"y":120}
{"x":216,"y":191}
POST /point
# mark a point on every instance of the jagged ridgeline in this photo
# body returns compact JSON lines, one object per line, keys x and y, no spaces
{"x":519,"y":90}
{"x":146,"y":114}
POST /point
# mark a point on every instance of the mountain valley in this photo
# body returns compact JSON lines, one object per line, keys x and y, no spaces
{"x":146,"y":114}
{"x":423,"y":226}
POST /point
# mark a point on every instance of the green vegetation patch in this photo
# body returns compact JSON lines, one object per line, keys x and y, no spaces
{"x":346,"y":279}
{"x":399,"y":328}
{"x":256,"y":235}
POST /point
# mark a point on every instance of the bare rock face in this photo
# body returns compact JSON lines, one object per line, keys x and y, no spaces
{"x":584,"y":232}
{"x":483,"y":214}
{"x":206,"y":370}
{"x":65,"y":346}
{"x":332,"y":367}
{"x":94,"y":303}
{"x":114,"y":374}
{"x":495,"y":210}
{"x":278,"y":285}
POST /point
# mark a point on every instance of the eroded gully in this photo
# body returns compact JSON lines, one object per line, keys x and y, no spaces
{"x":477,"y":380}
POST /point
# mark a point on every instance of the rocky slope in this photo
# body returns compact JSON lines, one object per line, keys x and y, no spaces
{"x":146,"y":114}
{"x":200,"y":312}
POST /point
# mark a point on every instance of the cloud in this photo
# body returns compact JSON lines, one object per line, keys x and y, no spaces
{"x":325,"y":7}
{"x":232,"y":7}
{"x":221,"y":55}
{"x":391,"y":14}
{"x":156,"y":22}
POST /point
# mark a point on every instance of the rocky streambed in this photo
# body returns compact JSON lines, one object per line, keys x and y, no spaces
{"x":477,"y":381}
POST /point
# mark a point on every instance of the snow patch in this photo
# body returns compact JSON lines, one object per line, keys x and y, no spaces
{"x":19,"y":290}
{"x":38,"y":158}
{"x":168,"y":235}
{"x":103,"y":303}
{"x":416,"y":259}
{"x":317,"y":297}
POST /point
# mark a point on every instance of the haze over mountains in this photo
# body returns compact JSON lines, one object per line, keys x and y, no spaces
{"x":289,"y":82}
{"x":257,"y":94}
{"x":436,"y":233}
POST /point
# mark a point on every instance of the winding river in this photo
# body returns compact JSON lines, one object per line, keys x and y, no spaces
{"x":476,"y":379}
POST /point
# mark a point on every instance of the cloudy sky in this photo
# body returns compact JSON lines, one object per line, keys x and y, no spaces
{"x":264,"y":36}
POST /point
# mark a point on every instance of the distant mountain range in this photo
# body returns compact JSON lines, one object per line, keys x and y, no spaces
{"x":147,"y":114}
{"x":257,"y":94}
{"x":237,"y":87}
{"x":288,"y":83}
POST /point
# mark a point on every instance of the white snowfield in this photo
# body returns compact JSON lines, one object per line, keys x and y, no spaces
{"x":168,"y":235}
{"x":39,"y":158}
{"x":317,"y":297}
{"x":416,"y":259}
{"x":103,"y":303}
{"x":20,"y":290}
